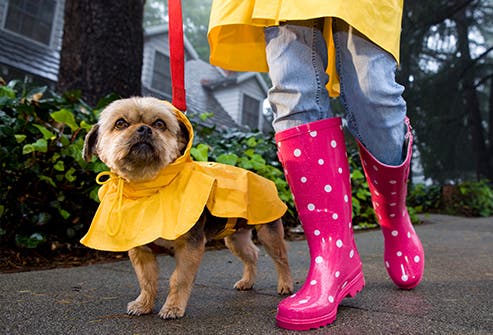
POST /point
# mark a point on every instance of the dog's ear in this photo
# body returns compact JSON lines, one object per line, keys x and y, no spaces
{"x":184,"y":137}
{"x":90,"y":143}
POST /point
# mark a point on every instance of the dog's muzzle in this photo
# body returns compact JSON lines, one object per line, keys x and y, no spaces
{"x":144,"y":131}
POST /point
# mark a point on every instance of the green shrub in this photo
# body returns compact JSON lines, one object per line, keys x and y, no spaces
{"x":472,"y":198}
{"x":469,"y":198}
{"x":253,"y":151}
{"x":424,"y":198}
{"x":47,"y":191}
{"x":257,"y":152}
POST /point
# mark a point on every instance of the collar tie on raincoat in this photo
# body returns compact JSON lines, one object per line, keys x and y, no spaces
{"x":118,"y":222}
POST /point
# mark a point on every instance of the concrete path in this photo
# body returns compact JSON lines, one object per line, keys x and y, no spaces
{"x":455,"y":297}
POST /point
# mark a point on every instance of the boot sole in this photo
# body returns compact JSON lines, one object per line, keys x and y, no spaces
{"x":351,"y":289}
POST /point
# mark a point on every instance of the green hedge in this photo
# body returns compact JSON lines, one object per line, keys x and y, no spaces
{"x":257,"y":152}
{"x":467,"y":198}
{"x":47,"y":191}
{"x":48,"y":194}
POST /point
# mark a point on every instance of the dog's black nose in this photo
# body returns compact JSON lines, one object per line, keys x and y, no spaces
{"x":144,"y":131}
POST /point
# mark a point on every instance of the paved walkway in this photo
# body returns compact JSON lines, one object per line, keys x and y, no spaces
{"x":455,"y":297}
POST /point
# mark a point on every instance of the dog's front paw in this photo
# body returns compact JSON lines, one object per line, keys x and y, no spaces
{"x":285,"y":288}
{"x":171,"y":312}
{"x":138,"y":307}
{"x":244,"y":285}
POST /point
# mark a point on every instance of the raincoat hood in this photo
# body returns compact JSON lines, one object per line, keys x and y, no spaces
{"x":134,"y":214}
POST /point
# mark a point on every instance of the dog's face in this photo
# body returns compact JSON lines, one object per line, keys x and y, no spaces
{"x":136,"y":138}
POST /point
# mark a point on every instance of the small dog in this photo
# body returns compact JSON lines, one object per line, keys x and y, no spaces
{"x":138,"y":137}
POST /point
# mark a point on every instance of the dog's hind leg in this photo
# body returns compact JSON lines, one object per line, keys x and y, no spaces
{"x":241,"y":245}
{"x":146,"y":269}
{"x":272,"y":238}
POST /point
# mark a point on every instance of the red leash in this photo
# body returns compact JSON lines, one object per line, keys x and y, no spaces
{"x":176,"y":54}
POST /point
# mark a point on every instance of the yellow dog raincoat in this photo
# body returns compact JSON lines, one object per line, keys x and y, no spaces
{"x":134,"y":214}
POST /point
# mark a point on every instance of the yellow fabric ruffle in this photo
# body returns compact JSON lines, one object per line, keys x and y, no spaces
{"x":133,"y":214}
{"x":236,"y":36}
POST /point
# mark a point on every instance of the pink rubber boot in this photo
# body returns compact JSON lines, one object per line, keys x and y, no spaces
{"x":403,"y":255}
{"x":316,"y":167}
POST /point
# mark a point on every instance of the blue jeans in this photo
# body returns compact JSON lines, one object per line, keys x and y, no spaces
{"x":375,"y":109}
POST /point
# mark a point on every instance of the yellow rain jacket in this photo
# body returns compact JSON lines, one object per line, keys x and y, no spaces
{"x":236,"y":36}
{"x":133,"y":214}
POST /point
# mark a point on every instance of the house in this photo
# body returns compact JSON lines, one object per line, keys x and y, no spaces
{"x":30,"y":44}
{"x":31,"y":39}
{"x":233,"y":98}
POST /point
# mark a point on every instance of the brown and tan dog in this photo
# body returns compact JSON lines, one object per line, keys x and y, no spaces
{"x":138,"y":137}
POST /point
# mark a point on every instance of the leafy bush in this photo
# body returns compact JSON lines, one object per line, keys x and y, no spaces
{"x":257,"y":152}
{"x":253,"y":151}
{"x":48,"y":194}
{"x":470,"y":198}
{"x":474,"y":199}
{"x":424,"y":198}
{"x":47,"y":190}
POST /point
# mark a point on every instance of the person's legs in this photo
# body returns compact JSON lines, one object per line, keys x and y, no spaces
{"x":371,"y":97}
{"x":297,"y":58}
{"x":313,"y":154}
{"x":376,"y":114}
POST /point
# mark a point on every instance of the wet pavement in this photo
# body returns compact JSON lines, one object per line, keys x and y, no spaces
{"x":455,"y":296}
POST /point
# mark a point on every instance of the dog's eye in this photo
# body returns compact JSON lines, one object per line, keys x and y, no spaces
{"x":159,"y":124}
{"x":121,"y":123}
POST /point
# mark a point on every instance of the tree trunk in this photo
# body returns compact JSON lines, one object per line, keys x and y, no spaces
{"x":102,"y":48}
{"x":483,"y":167}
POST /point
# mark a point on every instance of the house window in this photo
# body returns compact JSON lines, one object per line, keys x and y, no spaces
{"x":161,"y":74}
{"x":31,"y":18}
{"x":250,"y":111}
